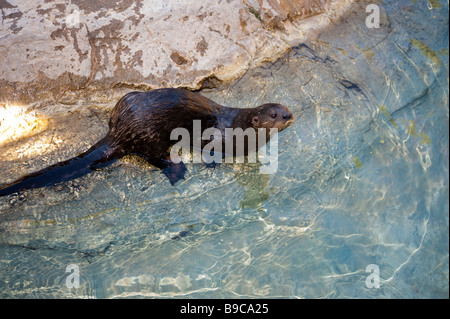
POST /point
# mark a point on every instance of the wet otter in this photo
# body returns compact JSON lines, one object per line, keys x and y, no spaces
{"x":141,"y":124}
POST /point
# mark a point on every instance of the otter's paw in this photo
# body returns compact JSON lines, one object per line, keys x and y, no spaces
{"x":174,"y":172}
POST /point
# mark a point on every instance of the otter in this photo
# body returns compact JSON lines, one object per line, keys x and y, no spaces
{"x":141,"y":124}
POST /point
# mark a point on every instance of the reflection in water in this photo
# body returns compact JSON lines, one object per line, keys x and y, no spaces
{"x":362,"y":180}
{"x":255,"y":185}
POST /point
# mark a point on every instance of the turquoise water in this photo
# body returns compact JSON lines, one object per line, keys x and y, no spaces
{"x":362,"y":180}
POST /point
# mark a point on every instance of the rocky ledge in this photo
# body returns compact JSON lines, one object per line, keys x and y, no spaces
{"x":51,"y":49}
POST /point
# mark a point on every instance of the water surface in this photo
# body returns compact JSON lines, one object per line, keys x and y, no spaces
{"x":362,"y":180}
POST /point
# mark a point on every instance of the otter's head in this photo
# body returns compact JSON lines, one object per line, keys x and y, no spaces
{"x":272,"y":115}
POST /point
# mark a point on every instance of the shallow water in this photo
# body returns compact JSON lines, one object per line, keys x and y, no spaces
{"x":362,"y":180}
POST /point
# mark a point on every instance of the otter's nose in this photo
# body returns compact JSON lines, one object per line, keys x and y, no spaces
{"x":287,"y":116}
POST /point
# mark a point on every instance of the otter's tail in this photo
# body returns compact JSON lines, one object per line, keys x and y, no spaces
{"x":97,"y":156}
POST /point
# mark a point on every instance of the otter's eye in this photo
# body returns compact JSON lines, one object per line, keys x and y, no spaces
{"x":273,"y":115}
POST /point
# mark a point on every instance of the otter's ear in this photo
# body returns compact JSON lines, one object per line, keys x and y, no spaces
{"x":255,"y":121}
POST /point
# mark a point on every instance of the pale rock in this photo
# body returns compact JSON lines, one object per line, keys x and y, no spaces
{"x":52,"y":48}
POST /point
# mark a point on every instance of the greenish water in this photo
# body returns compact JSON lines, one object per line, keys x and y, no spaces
{"x":362,"y":180}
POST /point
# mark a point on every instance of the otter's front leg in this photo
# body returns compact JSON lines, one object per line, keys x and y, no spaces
{"x":174,"y":172}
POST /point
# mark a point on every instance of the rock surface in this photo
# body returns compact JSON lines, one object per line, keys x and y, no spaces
{"x":51,"y":49}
